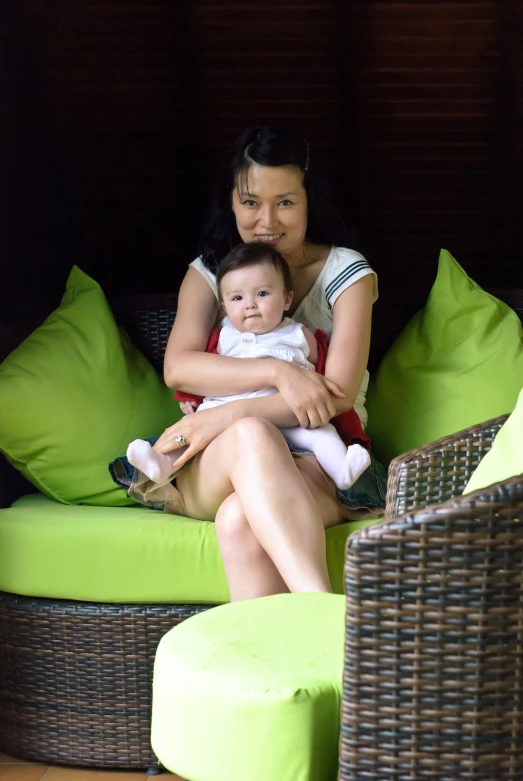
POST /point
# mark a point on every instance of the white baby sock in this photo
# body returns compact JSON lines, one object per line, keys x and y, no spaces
{"x":356,"y":461}
{"x":156,"y":466}
{"x":344,"y":464}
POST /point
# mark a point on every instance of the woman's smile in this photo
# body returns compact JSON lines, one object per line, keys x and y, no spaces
{"x":270,"y":205}
{"x":271,"y":239}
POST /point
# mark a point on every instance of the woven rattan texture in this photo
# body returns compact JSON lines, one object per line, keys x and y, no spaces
{"x":433,"y":678}
{"x":438,"y":471}
{"x":76,"y":679}
{"x":148,"y":319}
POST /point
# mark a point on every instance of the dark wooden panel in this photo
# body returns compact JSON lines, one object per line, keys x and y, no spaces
{"x":119,"y":110}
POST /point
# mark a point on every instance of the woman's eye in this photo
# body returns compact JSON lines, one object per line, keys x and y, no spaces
{"x":248,"y":202}
{"x":286,"y":202}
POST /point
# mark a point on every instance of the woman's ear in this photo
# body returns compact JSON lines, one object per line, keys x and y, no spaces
{"x":288,"y":300}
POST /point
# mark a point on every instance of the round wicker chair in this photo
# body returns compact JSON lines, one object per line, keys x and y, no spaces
{"x":433,"y":676}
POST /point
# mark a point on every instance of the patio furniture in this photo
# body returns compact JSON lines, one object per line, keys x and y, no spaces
{"x":433,"y":675}
{"x":259,"y":684}
{"x":75,"y":675}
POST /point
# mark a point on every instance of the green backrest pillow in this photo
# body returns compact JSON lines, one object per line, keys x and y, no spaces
{"x":505,"y":458}
{"x":74,"y":394}
{"x":458,"y":362}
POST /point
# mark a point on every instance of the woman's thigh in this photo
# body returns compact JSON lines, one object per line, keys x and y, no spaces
{"x":205,"y":482}
{"x":318,"y":484}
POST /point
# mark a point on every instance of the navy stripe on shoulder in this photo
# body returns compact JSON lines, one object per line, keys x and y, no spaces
{"x":345,"y":275}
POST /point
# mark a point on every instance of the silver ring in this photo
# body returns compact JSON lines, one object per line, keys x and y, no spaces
{"x":181,"y":440}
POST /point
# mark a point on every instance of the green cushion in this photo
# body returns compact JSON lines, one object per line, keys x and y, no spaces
{"x":458,"y":362}
{"x":505,"y":458}
{"x":121,"y":554}
{"x":73,"y":396}
{"x":252,"y":691}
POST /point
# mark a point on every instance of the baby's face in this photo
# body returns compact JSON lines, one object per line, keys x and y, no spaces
{"x":254,"y":298}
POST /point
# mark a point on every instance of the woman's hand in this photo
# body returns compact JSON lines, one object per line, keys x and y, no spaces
{"x":308,"y":394}
{"x":197,"y":430}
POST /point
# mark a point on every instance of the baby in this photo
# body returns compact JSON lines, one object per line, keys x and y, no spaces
{"x":254,"y":286}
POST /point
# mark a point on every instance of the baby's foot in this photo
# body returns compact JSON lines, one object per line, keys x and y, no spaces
{"x":356,"y":461}
{"x":156,"y":466}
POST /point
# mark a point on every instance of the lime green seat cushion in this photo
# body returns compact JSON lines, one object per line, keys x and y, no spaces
{"x":505,"y":458}
{"x":251,"y":691}
{"x":458,"y":362}
{"x":74,"y":394}
{"x":120,"y":554}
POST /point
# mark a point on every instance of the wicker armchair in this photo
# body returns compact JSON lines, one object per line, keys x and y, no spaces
{"x":433,"y":679}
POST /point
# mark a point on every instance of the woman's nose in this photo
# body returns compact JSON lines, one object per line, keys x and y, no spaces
{"x":267,"y":215}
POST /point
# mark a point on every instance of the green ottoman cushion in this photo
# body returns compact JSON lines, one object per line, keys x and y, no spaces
{"x":251,"y":691}
{"x":121,"y":554}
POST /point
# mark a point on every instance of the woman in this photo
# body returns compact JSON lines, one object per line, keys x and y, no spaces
{"x":271,"y":506}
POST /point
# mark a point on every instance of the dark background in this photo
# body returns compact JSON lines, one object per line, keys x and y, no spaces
{"x":117,"y":111}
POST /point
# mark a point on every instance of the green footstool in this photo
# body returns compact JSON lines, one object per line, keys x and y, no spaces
{"x":251,"y":691}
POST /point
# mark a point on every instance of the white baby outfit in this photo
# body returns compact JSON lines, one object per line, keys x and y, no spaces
{"x":342,"y":269}
{"x":287,"y":342}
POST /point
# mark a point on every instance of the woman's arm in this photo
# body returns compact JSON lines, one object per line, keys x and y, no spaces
{"x":200,"y":429}
{"x":189,"y":368}
{"x":349,"y":346}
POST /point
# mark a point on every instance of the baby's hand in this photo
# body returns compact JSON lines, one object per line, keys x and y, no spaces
{"x":188,"y":407}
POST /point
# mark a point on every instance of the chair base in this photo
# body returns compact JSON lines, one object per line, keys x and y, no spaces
{"x":76,"y":679}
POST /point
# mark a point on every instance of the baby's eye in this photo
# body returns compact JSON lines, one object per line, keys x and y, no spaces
{"x":236,"y":298}
{"x":263,"y":293}
{"x":248,"y":202}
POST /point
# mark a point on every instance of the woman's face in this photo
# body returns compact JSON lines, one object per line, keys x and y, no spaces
{"x":270,"y":205}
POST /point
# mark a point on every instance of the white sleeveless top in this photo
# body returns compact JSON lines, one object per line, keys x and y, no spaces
{"x":342,"y":269}
{"x":287,"y":342}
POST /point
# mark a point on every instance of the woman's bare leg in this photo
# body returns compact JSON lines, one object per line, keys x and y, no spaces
{"x":250,"y":570}
{"x":252,"y":459}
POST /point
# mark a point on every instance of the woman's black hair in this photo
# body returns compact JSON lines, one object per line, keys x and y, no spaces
{"x":270,"y":145}
{"x":252,"y":253}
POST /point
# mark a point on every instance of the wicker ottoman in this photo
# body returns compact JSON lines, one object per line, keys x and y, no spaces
{"x":251,"y":691}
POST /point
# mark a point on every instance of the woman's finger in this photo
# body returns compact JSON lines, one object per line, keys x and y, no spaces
{"x":303,"y":418}
{"x":323,"y":415}
{"x":314,"y":419}
{"x":334,"y":388}
{"x":330,"y":407}
{"x":167,"y":441}
{"x":189,"y":452}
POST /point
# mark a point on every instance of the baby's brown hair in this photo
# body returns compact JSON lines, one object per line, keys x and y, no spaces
{"x":253,"y":253}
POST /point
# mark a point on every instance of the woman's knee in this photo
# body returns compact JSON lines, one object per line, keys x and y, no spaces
{"x":232,"y":528}
{"x":258,"y":432}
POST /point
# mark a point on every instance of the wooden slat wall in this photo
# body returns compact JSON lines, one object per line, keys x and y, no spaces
{"x":417,"y":108}
{"x":425,"y":92}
